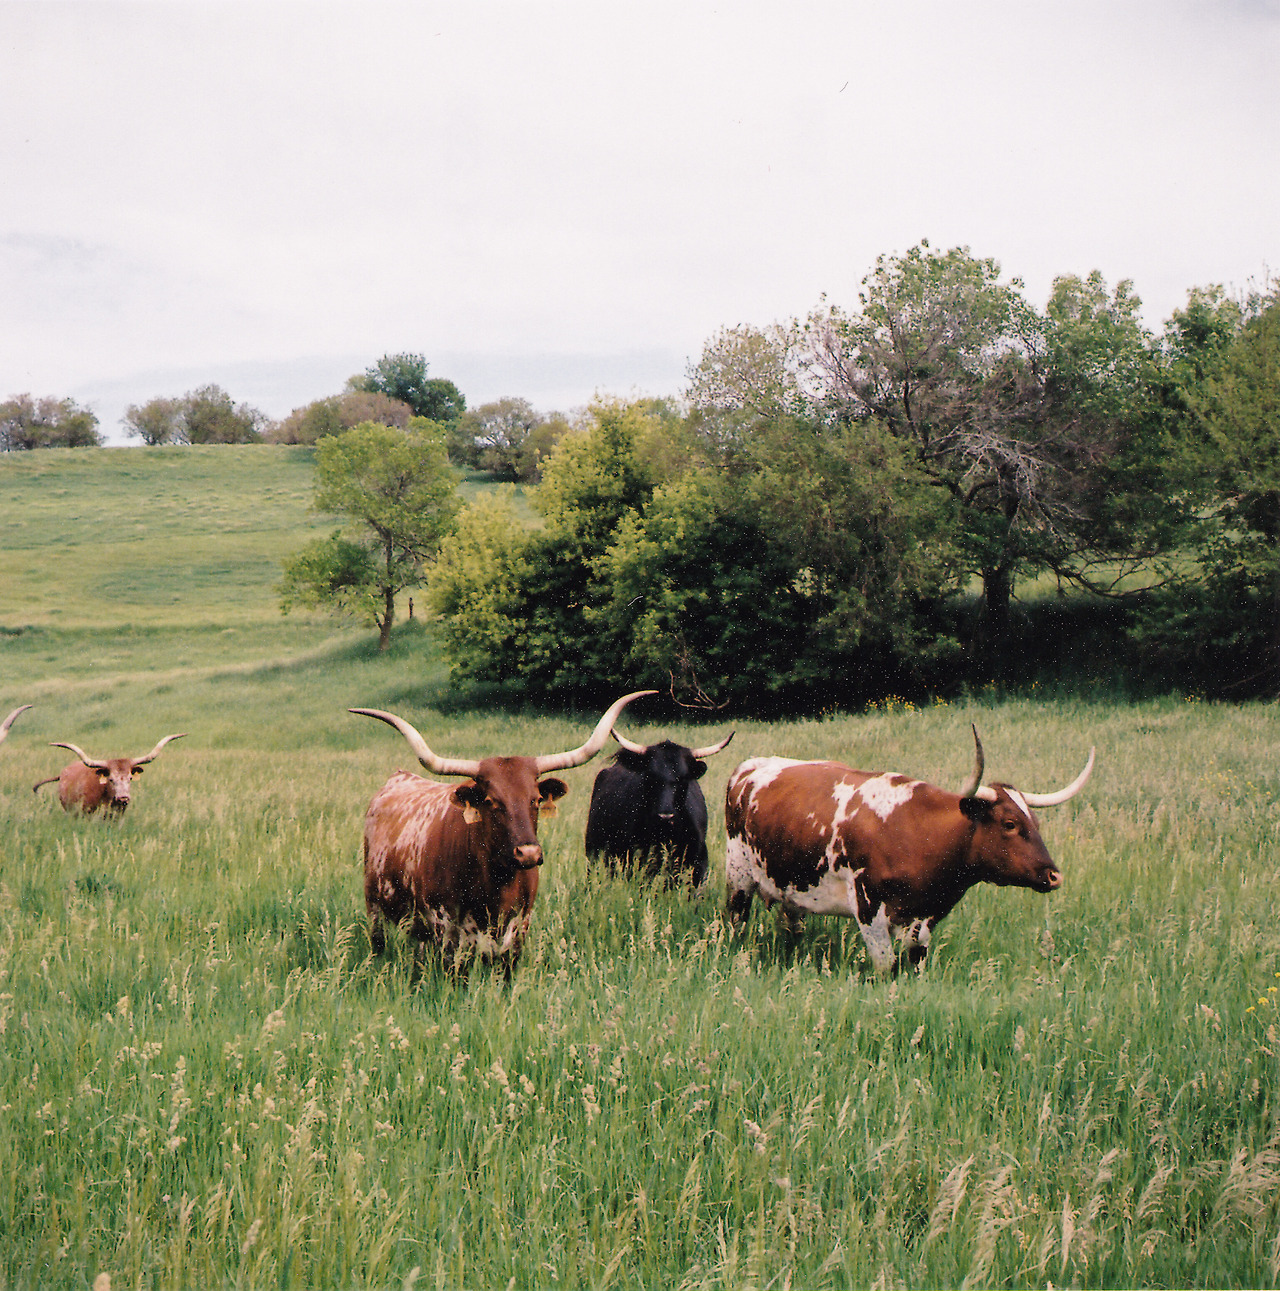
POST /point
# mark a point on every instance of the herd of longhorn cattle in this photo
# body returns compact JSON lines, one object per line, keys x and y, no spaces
{"x":457,"y":864}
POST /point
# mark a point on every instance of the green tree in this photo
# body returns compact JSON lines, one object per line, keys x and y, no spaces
{"x":1038,"y":426}
{"x":1238,"y":406}
{"x":27,"y":423}
{"x":158,"y":421}
{"x":503,"y":433}
{"x":404,"y":377}
{"x":397,"y":490}
{"x":210,"y":416}
{"x":514,"y":600}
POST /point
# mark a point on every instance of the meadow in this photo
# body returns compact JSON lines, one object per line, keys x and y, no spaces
{"x":207,"y":1079}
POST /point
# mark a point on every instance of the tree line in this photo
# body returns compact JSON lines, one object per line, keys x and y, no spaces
{"x":838,"y":506}
{"x":844,"y":506}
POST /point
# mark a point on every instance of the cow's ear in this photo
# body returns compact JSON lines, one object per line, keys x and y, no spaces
{"x":698,"y":769}
{"x":136,"y":770}
{"x":977,"y":809}
{"x":468,"y":795}
{"x":550,"y":791}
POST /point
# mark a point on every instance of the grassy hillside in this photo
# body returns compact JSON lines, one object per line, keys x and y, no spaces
{"x":208,"y":1080}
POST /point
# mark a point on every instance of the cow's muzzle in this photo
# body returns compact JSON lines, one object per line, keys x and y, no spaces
{"x":528,"y":857}
{"x":1053,"y":880}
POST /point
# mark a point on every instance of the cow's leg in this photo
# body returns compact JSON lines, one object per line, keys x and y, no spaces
{"x":878,"y":940}
{"x":738,"y":905}
{"x":740,"y":882}
{"x":915,"y":942}
{"x":790,"y":920}
{"x":701,"y":863}
{"x":377,"y":937}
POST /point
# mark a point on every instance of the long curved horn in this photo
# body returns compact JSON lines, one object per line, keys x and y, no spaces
{"x":1053,"y":799}
{"x":151,"y":757}
{"x":96,"y":763}
{"x":970,"y":786}
{"x":585,"y":752}
{"x":630,"y":745}
{"x":432,"y":761}
{"x":13,"y":717}
{"x":712,"y":749}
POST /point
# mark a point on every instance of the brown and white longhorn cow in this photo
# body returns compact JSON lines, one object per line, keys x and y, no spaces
{"x":99,"y":782}
{"x":459,"y":864}
{"x":9,"y":721}
{"x":895,"y":854}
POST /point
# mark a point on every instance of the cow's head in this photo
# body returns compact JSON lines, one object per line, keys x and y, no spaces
{"x":503,"y":798}
{"x":1006,"y":847}
{"x":666,"y":769}
{"x":115,"y":775}
{"x":502,"y":804}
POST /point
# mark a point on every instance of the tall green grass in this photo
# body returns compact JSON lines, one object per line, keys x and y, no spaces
{"x":207,"y":1079}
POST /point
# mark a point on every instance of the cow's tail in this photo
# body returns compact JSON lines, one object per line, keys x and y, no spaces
{"x":38,"y":783}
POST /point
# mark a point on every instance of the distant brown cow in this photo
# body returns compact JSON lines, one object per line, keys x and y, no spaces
{"x":895,"y":854}
{"x":99,"y":782}
{"x":459,"y":864}
{"x":9,"y":721}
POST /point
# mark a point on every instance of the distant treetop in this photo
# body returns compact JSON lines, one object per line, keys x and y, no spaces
{"x":404,"y":377}
{"x":50,"y":422}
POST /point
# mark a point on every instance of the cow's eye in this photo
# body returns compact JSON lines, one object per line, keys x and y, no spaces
{"x":1011,"y":826}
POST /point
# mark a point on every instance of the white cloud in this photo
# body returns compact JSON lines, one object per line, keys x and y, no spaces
{"x":196,"y":185}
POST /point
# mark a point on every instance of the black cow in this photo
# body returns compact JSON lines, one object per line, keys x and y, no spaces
{"x":647,"y":806}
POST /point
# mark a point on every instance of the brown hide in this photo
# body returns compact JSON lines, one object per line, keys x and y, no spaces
{"x":459,"y":862}
{"x":94,"y":783}
{"x":894,"y":853}
{"x":82,"y":788}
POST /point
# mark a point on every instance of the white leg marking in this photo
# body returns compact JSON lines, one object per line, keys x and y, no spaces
{"x":878,"y":939}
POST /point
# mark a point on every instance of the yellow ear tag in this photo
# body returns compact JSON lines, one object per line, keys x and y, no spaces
{"x":470,"y":814}
{"x":548,"y":808}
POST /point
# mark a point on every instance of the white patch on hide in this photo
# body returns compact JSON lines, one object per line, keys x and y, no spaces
{"x":758,"y":772}
{"x":884,"y":794}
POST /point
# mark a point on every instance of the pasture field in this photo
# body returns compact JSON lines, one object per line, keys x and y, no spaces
{"x":206,"y":1079}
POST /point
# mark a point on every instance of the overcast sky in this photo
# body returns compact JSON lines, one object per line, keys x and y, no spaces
{"x":556,"y":200}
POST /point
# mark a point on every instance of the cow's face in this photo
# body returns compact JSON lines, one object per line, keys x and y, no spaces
{"x":1007,"y":848}
{"x":502,"y":805}
{"x":116,"y":781}
{"x":667,"y":770}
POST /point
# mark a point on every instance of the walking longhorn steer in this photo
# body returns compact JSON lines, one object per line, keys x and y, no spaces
{"x":9,"y":721}
{"x":648,"y":806}
{"x":99,"y":782}
{"x":895,"y":854}
{"x":459,"y":864}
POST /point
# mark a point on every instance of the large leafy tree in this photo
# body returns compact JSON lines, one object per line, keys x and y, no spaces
{"x":404,"y":377}
{"x":514,"y":600}
{"x":799,"y":569}
{"x":27,"y":423}
{"x":1035,"y":425}
{"x":396,"y":490}
{"x":1238,"y":408}
{"x":509,"y":438}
